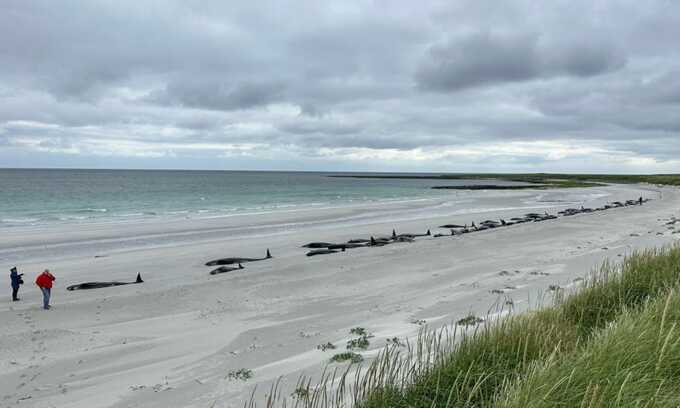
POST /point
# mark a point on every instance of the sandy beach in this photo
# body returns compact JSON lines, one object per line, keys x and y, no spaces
{"x":172,"y":340}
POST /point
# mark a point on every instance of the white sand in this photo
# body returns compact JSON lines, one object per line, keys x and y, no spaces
{"x":172,"y":340}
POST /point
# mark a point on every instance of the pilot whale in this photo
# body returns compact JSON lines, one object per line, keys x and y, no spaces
{"x":225,"y":269}
{"x":97,"y":285}
{"x":231,"y":261}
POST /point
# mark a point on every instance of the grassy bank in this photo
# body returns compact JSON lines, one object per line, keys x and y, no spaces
{"x":615,"y":339}
{"x":542,"y":180}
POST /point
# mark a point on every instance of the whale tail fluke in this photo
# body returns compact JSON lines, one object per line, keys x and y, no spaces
{"x":139,"y":278}
{"x":269,"y":255}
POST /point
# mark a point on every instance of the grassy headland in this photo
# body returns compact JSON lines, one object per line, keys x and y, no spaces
{"x":615,"y":342}
{"x":534,"y":180}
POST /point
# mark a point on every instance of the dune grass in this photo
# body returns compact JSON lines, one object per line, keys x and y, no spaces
{"x":633,"y":363}
{"x":504,"y":362}
{"x":481,"y":364}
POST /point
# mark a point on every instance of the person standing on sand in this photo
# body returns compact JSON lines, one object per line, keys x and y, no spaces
{"x":44,"y":282}
{"x":17,"y":281}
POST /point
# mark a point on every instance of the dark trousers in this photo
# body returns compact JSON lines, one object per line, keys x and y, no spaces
{"x":15,"y":293}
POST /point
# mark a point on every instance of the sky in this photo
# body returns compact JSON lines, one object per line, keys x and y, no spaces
{"x":444,"y":86}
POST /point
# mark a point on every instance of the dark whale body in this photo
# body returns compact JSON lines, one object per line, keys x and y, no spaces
{"x":409,"y":236}
{"x":321,"y":252}
{"x":225,"y":269}
{"x":358,"y":241}
{"x":317,"y":245}
{"x":345,"y":246}
{"x":231,"y":261}
{"x":97,"y":285}
{"x":379,"y":241}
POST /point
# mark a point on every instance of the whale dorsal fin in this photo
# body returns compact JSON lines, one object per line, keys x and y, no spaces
{"x":394,"y":234}
{"x":240,"y":266}
{"x":269,"y":255}
{"x":139,"y":278}
{"x":428,"y":233}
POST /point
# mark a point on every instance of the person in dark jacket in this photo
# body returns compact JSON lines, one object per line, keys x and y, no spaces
{"x":44,"y":282}
{"x":17,"y":281}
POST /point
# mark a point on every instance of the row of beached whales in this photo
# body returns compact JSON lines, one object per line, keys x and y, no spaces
{"x":323,"y":248}
{"x":225,"y":265}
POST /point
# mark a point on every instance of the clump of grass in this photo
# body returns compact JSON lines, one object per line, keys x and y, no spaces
{"x":326,"y":346}
{"x":361,"y":343}
{"x":242,"y":374}
{"x":347,"y":356}
{"x":394,"y":341}
{"x":419,"y":322}
{"x":470,"y":320}
{"x":358,"y":331}
{"x":301,"y":392}
{"x":634,"y":362}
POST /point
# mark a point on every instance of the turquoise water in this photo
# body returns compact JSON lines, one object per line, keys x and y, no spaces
{"x":33,"y":197}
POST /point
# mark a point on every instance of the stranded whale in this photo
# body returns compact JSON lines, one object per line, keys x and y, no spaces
{"x":97,"y":285}
{"x":225,"y":269}
{"x":231,"y":261}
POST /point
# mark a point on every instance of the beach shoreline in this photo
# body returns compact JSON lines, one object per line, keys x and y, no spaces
{"x":173,"y":339}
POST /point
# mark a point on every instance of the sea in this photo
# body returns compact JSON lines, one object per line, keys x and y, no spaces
{"x":49,"y":196}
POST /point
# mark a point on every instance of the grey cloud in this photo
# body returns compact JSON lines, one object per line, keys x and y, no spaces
{"x":219,"y":95}
{"x":485,"y":58}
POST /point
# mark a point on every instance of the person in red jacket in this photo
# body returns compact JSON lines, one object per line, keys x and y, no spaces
{"x":44,"y":282}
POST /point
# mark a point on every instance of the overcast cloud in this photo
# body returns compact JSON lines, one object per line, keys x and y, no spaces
{"x":578,"y":86}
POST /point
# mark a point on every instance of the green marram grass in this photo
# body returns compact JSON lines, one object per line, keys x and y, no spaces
{"x":634,"y":362}
{"x":573,"y":352}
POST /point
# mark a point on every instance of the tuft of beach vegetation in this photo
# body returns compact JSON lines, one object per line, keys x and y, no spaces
{"x":326,"y":346}
{"x":347,"y":356}
{"x":242,"y":374}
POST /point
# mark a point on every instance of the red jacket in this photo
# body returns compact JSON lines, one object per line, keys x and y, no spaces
{"x":44,"y":280}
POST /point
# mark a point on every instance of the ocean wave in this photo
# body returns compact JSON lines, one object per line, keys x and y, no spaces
{"x":19,"y":220}
{"x":91,"y":210}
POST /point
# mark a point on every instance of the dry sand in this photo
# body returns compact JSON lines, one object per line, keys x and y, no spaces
{"x":172,"y":340}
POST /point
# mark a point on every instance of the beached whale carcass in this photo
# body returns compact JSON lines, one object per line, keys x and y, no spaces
{"x":231,"y":261}
{"x":98,"y":285}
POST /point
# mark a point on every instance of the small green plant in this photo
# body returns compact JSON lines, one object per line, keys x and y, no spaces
{"x":326,"y":346}
{"x":470,"y":320}
{"x":359,"y":331}
{"x":242,"y":374}
{"x":300,"y":393}
{"x":347,"y":356}
{"x":359,"y":343}
{"x":395,"y":342}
